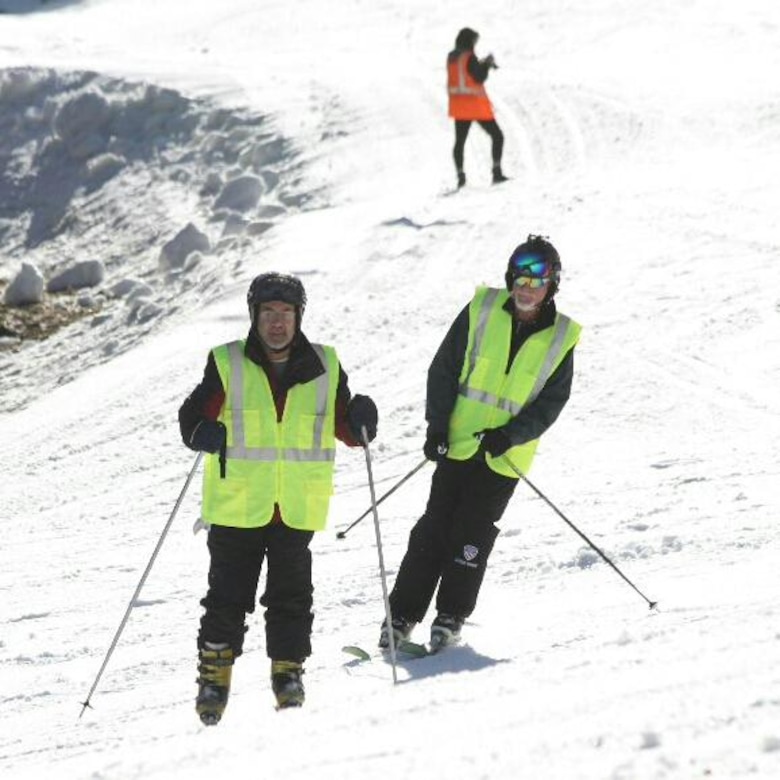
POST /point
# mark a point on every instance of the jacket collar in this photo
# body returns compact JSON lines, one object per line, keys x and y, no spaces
{"x":545,"y":319}
{"x":303,"y":365}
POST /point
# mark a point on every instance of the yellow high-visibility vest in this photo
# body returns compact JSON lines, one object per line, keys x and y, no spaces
{"x":489,"y":395}
{"x":290,"y":463}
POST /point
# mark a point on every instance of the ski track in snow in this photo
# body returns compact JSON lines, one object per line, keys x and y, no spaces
{"x":643,"y":139}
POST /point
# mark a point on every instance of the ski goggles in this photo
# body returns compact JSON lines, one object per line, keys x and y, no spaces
{"x":532,"y":266}
{"x":534,"y":282}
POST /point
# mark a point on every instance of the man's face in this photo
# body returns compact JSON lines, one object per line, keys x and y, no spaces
{"x":276,"y":324}
{"x":526,"y":296}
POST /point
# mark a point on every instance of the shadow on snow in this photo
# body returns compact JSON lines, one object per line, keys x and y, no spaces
{"x":449,"y":661}
{"x":33,"y":6}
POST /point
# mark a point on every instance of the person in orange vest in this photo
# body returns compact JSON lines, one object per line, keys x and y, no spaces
{"x":466,"y":76}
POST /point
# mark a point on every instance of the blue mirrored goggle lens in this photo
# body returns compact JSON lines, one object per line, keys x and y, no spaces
{"x":531,"y":265}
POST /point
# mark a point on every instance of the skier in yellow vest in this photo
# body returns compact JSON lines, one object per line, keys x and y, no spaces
{"x":268,"y":412}
{"x":468,"y":101}
{"x":499,"y":380}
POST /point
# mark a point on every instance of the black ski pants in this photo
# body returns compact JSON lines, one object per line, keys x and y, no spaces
{"x":462,"y":127}
{"x":237,"y":556}
{"x":450,"y":544}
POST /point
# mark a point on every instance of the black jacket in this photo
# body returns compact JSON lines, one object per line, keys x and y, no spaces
{"x":444,"y":373}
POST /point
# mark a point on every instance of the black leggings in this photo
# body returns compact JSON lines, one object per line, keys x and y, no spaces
{"x":462,"y":127}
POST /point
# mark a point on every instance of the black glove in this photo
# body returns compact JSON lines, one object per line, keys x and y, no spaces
{"x":362,"y":413}
{"x":494,"y":441}
{"x":436,"y":445}
{"x":208,"y":436}
{"x":490,"y":61}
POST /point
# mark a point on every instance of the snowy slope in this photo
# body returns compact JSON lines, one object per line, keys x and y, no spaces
{"x":643,"y":138}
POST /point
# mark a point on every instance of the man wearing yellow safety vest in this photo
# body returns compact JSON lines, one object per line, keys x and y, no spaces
{"x":499,"y":380}
{"x":469,"y":102}
{"x":267,"y":412}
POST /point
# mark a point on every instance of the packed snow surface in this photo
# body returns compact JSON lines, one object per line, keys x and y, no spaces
{"x":161,"y":154}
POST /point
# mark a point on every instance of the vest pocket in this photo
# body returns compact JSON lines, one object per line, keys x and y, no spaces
{"x":485,"y":369}
{"x":309,"y":431}
{"x":226,"y":502}
{"x":317,"y":501}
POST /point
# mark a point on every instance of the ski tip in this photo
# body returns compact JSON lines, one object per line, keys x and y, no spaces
{"x":358,"y":652}
{"x":412,"y":648}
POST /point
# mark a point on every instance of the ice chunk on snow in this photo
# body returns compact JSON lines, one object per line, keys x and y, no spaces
{"x":26,"y":287}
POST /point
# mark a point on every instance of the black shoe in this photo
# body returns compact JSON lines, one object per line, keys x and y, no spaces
{"x":461,"y":179}
{"x":402,"y":628}
{"x":498,"y":176}
{"x":215,"y":670}
{"x":287,"y":684}
{"x":445,"y":630}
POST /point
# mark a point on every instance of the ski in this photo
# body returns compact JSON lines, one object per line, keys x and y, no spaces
{"x":358,"y":652}
{"x":413,"y":649}
{"x":405,"y":648}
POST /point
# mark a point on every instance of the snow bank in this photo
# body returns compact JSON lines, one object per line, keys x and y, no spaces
{"x":108,"y":180}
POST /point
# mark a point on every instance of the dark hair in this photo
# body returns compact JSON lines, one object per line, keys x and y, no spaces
{"x":466,"y":39}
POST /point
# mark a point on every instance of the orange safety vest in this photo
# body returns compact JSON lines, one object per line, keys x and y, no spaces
{"x":468,"y":98}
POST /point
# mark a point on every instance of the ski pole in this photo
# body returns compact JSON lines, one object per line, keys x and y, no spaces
{"x":342,"y":534}
{"x":571,"y":525}
{"x":388,"y":614}
{"x":140,"y":585}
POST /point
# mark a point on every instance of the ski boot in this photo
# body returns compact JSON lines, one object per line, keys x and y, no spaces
{"x":215,"y":668}
{"x":461,"y":179}
{"x":287,"y":684}
{"x":498,"y":175}
{"x":445,"y":631}
{"x":402,"y":628}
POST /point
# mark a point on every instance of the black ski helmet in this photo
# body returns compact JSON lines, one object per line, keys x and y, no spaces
{"x":535,"y":249}
{"x":273,"y":286}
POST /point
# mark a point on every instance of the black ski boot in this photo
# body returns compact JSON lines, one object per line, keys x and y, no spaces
{"x":498,"y":175}
{"x":287,"y":684}
{"x":402,"y":628}
{"x":445,"y":630}
{"x":461,"y":179}
{"x":215,"y":669}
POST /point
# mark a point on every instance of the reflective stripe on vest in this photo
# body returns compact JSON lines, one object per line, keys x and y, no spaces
{"x":552,"y":358}
{"x":239,"y":449}
{"x":460,"y":81}
{"x":288,"y":462}
{"x":468,"y":100}
{"x":489,"y":395}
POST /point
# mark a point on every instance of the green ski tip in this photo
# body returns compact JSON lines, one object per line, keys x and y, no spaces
{"x":412,"y":648}
{"x":358,"y":652}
